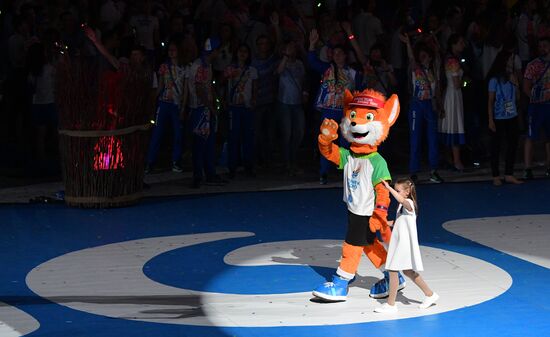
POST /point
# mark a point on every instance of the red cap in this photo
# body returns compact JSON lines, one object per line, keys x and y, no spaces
{"x":367,"y":102}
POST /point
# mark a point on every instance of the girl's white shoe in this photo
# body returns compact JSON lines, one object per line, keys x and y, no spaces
{"x":428,"y":301}
{"x":386,"y":309}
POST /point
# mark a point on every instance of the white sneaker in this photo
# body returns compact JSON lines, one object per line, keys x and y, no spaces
{"x":386,"y":309}
{"x":428,"y":301}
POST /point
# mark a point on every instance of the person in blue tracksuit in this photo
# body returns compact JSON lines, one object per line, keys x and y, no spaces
{"x":241,"y":100}
{"x":203,"y":115}
{"x":422,"y":112}
{"x":170,"y":106}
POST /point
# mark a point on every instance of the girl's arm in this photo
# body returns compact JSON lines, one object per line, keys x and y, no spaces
{"x":184,"y":99}
{"x":490,"y":109}
{"x":398,"y":196}
{"x":282,"y":64}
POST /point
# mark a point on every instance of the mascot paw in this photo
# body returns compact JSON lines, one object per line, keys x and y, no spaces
{"x":329,"y":130}
{"x":374,"y":225}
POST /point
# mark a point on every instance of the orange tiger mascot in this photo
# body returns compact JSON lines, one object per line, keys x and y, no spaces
{"x":367,"y":119}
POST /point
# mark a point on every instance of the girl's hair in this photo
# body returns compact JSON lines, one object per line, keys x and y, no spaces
{"x":379,"y":46}
{"x":451,"y":41}
{"x":181,"y":51}
{"x":236,"y":56}
{"x":498,"y":69}
{"x":409,"y":184}
{"x":422,"y":46}
{"x":334,"y":65}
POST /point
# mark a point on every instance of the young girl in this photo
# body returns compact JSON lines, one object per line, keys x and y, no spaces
{"x":170,"y":106}
{"x":291,"y":118}
{"x":503,"y":116}
{"x":451,"y":126}
{"x":203,"y":115}
{"x":403,"y":250}
{"x":241,"y":98}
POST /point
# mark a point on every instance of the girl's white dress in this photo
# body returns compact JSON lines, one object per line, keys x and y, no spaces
{"x":404,"y":251}
{"x":451,"y":127}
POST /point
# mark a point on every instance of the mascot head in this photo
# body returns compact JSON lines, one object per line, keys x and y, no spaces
{"x":367,"y":119}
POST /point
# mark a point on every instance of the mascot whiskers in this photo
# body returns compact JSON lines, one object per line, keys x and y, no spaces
{"x":367,"y":119}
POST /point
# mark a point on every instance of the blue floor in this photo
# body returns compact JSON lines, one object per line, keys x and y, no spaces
{"x":34,"y":234}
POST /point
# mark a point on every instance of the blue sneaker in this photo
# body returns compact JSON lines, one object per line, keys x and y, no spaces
{"x":381,"y":288}
{"x":337,"y":290}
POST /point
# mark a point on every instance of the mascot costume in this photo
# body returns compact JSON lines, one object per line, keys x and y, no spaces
{"x":367,"y":119}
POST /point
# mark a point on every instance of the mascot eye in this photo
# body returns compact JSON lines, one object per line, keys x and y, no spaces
{"x":353,"y":114}
{"x":370,"y":116}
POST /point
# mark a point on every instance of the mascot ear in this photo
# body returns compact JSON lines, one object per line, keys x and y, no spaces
{"x":348,"y":97}
{"x":392,"y":109}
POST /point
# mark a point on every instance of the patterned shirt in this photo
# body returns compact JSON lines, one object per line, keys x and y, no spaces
{"x":331,"y":91}
{"x":171,"y":76}
{"x":423,"y":83}
{"x":538,"y":72}
{"x":199,"y":79}
{"x":239,"y":88}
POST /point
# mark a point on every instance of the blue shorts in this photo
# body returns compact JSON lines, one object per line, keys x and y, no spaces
{"x":538,"y":117}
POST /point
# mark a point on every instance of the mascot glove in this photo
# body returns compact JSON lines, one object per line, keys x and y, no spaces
{"x":329,"y":131}
{"x":378,"y":221}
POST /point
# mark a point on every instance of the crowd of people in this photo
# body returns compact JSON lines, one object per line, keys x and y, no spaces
{"x":246,"y":83}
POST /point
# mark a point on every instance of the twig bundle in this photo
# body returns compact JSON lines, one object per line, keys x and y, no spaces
{"x":104,"y":117}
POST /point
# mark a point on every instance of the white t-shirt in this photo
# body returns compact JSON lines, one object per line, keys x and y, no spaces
{"x":367,"y":27}
{"x":522,"y":32}
{"x":361,"y":173}
{"x":44,"y":86}
{"x":145,"y":26}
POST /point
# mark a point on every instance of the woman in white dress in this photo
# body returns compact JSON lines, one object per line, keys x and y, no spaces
{"x":451,"y":125}
{"x":403,"y":250}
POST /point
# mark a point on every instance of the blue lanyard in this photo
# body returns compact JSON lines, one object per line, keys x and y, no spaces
{"x":172,"y":77}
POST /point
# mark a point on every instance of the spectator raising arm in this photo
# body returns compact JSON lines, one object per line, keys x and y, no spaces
{"x":101,"y":48}
{"x":346,"y":26}
{"x":405,"y":39}
{"x":314,"y":62}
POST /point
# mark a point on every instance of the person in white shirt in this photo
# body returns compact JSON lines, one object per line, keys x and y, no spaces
{"x":146,"y":28}
{"x":41,"y":80}
{"x":366,"y":26}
